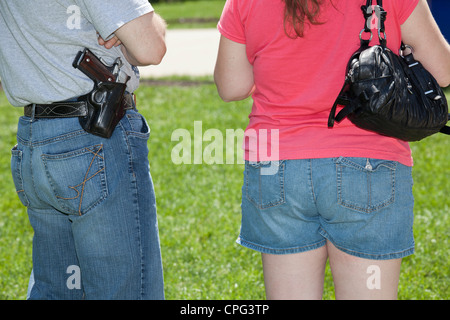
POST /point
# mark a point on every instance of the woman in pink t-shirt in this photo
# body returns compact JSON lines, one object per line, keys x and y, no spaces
{"x":312,"y":193}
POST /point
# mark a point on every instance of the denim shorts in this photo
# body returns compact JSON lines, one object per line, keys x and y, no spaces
{"x":363,"y":206}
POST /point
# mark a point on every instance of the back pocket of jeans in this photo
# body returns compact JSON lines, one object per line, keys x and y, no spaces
{"x":77,"y":178}
{"x":138,"y":125}
{"x":264,"y":183}
{"x":16,"y":170}
{"x":365,"y":185}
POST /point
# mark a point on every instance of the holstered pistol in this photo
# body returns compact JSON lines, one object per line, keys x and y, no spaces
{"x":105,"y":102}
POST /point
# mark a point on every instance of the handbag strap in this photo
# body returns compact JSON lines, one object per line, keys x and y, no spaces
{"x":343,"y":101}
{"x":368,"y":10}
{"x":446,"y":129}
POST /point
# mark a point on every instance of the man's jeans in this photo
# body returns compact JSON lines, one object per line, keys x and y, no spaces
{"x":92,"y":206}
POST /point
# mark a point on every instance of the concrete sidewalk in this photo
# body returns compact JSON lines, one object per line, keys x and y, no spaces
{"x":190,"y":52}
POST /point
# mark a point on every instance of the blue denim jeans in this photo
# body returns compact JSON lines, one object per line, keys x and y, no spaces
{"x":92,"y":206}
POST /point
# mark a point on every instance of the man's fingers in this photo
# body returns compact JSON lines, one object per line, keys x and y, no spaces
{"x":108,"y":44}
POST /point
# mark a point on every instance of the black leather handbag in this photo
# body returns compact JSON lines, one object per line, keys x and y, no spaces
{"x":393,"y":95}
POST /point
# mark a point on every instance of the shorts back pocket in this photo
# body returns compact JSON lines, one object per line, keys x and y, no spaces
{"x":264,"y":183}
{"x":365,"y":185}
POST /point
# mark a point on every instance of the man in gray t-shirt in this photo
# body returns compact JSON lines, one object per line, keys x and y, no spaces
{"x":89,"y":198}
{"x":40,"y":39}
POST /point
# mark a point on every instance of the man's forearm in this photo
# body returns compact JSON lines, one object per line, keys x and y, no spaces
{"x":144,"y":43}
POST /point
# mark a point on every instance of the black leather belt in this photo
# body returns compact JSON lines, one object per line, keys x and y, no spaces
{"x":57,"y":110}
{"x":68,"y":109}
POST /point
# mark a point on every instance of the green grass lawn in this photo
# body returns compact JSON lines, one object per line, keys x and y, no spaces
{"x":191,"y":14}
{"x":199,"y":207}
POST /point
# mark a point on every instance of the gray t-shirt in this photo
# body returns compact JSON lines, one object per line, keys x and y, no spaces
{"x":39,"y":40}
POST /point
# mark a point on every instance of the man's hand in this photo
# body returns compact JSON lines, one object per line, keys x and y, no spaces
{"x":108,"y":44}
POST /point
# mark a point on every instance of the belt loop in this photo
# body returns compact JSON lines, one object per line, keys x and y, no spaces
{"x":134,"y":100}
{"x":33,"y":111}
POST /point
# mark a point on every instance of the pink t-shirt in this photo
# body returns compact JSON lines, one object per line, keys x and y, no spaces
{"x":297,"y":80}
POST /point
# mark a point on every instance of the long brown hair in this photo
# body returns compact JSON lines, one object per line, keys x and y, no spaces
{"x":299,"y":12}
